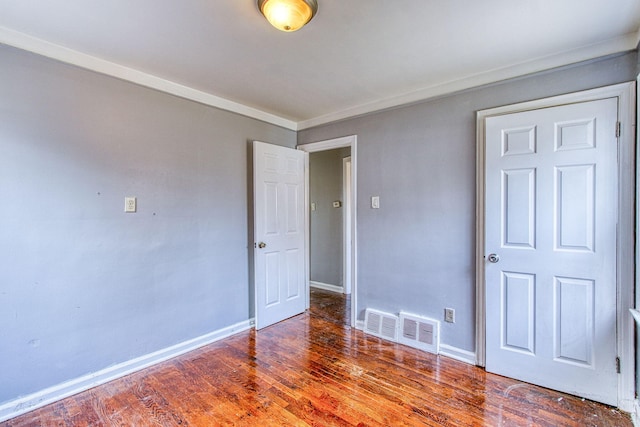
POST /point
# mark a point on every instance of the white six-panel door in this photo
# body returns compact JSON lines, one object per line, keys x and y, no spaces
{"x":550,"y":247}
{"x":279,"y":230}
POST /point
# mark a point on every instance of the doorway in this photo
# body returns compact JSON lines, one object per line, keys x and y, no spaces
{"x":331,"y":218}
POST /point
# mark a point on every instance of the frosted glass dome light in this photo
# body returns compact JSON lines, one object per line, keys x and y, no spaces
{"x":288,"y":15}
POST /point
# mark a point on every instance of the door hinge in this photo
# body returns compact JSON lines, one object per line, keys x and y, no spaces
{"x":618,"y":129}
{"x":617,"y":365}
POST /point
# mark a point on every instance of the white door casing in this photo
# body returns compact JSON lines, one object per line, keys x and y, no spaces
{"x":346,"y":220}
{"x":279,"y":231}
{"x":551,"y":211}
{"x":346,"y":141}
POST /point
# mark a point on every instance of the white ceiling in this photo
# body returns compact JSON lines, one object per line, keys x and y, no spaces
{"x":354,"y":57}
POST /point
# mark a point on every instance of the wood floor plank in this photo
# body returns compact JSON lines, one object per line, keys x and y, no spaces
{"x":312,"y":370}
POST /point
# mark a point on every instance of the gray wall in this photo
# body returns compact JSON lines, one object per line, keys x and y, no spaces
{"x":82,"y":284}
{"x":417,"y":252}
{"x":326,"y":240}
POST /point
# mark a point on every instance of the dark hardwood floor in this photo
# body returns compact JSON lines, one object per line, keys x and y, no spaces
{"x":331,"y":306}
{"x":312,"y":370}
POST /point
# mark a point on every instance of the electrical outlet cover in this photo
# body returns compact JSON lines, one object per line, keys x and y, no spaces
{"x":449,"y":315}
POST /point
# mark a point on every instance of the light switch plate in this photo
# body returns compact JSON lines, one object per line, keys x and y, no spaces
{"x":130,"y":204}
{"x":375,"y":202}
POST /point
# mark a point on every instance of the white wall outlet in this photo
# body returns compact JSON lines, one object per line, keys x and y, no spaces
{"x":313,"y":206}
{"x":337,"y":204}
{"x":130,"y":204}
{"x":449,"y":315}
{"x":375,"y":202}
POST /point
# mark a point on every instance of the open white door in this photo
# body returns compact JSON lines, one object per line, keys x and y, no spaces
{"x":279,"y":231}
{"x":551,"y":200}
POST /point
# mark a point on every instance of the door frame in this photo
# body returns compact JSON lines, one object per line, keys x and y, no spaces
{"x":330,"y":144}
{"x":346,"y":225}
{"x":625,"y":93}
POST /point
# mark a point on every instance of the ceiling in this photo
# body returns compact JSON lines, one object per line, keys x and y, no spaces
{"x":354,"y":57}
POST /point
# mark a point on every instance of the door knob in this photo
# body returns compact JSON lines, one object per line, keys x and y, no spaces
{"x":493,"y":258}
{"x":262,"y":245}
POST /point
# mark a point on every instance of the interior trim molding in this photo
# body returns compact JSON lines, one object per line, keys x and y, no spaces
{"x":621,"y":44}
{"x":112,"y":69}
{"x":326,"y":286}
{"x":446,"y":350}
{"x":36,"y":400}
{"x":60,"y":53}
{"x":330,"y":144}
{"x":457,"y":354}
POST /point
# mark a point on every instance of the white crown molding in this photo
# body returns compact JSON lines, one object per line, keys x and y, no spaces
{"x":70,"y":56}
{"x":608,"y":47}
{"x":73,"y":57}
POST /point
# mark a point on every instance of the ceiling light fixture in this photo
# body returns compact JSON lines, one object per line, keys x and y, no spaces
{"x":288,"y":15}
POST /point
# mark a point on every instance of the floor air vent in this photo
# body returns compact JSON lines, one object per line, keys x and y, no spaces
{"x":383,"y":325}
{"x":419,"y":332}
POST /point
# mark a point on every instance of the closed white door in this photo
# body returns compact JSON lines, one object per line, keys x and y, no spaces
{"x":550,"y":247}
{"x":279,"y":231}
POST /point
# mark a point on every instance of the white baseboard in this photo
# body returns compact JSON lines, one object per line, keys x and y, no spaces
{"x":445,"y":350}
{"x":326,"y":287}
{"x":458,"y":354}
{"x":24,"y":404}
